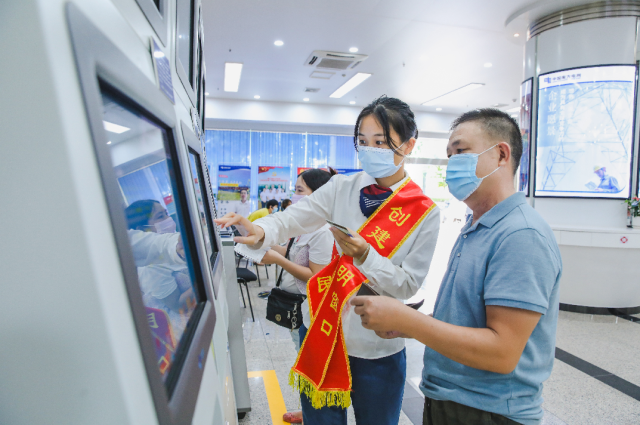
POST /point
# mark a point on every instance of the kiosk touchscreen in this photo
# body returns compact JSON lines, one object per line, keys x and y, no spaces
{"x":201,"y":188}
{"x":585,"y":132}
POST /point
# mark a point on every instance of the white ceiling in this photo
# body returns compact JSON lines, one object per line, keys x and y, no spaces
{"x":418,"y":49}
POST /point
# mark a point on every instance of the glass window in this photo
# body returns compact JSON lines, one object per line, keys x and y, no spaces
{"x":203,"y":205}
{"x":185,"y":37}
{"x":145,"y":170}
{"x":430,"y":148}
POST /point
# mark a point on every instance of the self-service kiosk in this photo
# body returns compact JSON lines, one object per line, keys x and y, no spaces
{"x":114,"y":305}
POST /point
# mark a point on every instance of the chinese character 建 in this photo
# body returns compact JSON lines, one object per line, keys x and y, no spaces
{"x":398,"y":217}
{"x":152,"y":320}
{"x":380,"y":236}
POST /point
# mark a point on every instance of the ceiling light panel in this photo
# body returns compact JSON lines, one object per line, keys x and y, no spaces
{"x":463,"y":89}
{"x":232,"y":73}
{"x":350,"y":85}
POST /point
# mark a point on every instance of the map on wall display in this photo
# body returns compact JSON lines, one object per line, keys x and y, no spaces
{"x":585,"y":131}
{"x":233,"y":190}
{"x":525,"y":130}
{"x":273,"y":183}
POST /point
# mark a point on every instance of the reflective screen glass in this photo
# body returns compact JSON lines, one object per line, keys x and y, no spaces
{"x":144,"y":168}
{"x":185,"y":36}
{"x":203,"y":206}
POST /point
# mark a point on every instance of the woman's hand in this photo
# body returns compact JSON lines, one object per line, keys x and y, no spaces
{"x":272,"y":257}
{"x":354,"y":246}
{"x":255,"y":234}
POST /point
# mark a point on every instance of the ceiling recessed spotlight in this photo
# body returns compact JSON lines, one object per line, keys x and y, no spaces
{"x":206,"y":93}
{"x":438,"y":109}
{"x":353,"y":102}
{"x":306,"y":99}
{"x":353,"y":50}
{"x":158,"y":54}
{"x":516,"y":35}
{"x":256,"y":96}
{"x":488,"y":64}
{"x":278,"y":43}
{"x":109,"y":142}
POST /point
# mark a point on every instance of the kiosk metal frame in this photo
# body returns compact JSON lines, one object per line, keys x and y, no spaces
{"x":101,"y":64}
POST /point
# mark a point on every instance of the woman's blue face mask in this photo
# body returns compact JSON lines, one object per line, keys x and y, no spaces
{"x":378,"y":162}
{"x":461,"y":174}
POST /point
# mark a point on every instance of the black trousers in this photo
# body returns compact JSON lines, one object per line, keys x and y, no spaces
{"x":438,"y":412}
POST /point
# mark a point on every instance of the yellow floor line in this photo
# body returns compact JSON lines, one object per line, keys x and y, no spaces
{"x":274,"y":394}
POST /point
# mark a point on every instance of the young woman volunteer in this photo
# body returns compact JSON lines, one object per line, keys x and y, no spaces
{"x":393,"y":252}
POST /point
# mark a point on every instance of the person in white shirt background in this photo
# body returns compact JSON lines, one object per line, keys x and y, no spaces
{"x":264,"y":197}
{"x":244,"y":206}
{"x":271,"y":194}
{"x":386,"y":133}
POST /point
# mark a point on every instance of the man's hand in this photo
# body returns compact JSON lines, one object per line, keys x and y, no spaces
{"x":381,"y":314}
{"x":391,"y":335}
{"x":255,"y":234}
{"x":354,"y":246}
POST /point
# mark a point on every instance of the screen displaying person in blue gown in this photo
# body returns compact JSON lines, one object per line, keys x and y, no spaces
{"x":585,"y":132}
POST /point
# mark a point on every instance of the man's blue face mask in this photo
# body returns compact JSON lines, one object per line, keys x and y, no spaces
{"x":461,"y":174}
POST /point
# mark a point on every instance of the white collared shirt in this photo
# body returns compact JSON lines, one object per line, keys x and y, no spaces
{"x":399,"y":277}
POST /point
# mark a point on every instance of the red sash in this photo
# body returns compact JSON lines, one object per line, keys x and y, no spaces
{"x":322,"y":368}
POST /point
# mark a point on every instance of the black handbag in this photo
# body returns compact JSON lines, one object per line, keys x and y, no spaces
{"x":283,"y":308}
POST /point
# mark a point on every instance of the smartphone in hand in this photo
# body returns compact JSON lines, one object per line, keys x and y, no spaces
{"x":341,"y":228}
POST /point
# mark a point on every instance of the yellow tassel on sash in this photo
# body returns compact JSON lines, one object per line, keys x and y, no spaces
{"x":319,"y":398}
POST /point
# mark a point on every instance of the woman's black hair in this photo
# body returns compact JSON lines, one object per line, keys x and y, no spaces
{"x":316,"y":178}
{"x":139,"y":213}
{"x":285,"y":203}
{"x":390,"y":113}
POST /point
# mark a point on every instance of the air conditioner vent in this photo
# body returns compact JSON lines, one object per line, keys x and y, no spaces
{"x":311,"y":90}
{"x":326,"y":63}
{"x":334,"y":60}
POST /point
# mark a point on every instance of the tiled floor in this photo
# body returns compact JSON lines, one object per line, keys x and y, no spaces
{"x":571,"y":397}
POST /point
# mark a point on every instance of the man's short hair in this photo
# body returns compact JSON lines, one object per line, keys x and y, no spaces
{"x":272,"y":203}
{"x":498,"y":125}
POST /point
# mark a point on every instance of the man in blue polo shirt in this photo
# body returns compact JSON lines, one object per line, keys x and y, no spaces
{"x":491,"y":341}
